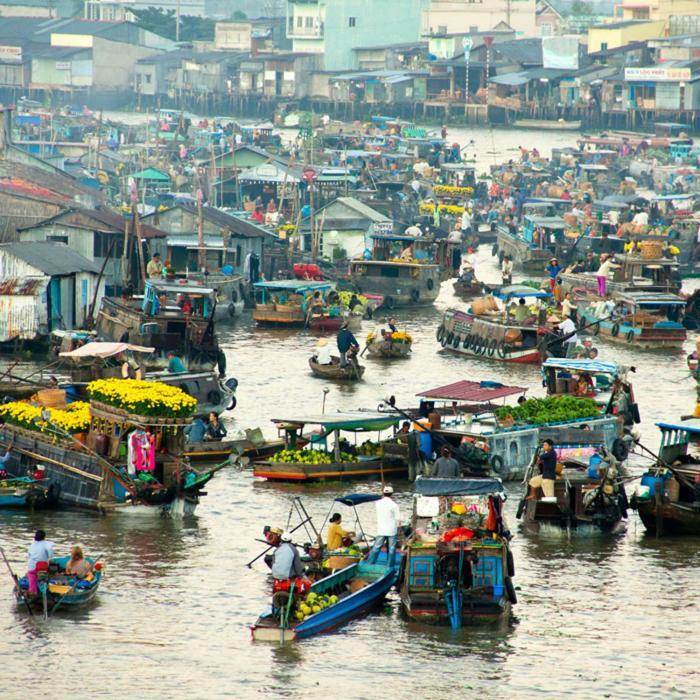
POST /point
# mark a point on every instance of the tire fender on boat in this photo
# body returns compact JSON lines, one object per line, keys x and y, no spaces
{"x":456,"y":341}
{"x":620,"y":449}
{"x":440,"y":332}
{"x":497,"y":464}
{"x":415,"y":295}
{"x":615,"y":330}
{"x":430,"y":284}
{"x":510,"y":590}
{"x":492,"y":347}
{"x":214,"y":397}
{"x":630,"y":336}
{"x":501,"y":349}
{"x":494,"y":249}
{"x":511,"y":564}
{"x":467,"y":341}
{"x":389,"y":302}
{"x":450,"y":337}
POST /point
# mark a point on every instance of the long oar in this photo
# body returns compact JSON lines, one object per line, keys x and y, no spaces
{"x":272,"y":546}
{"x":15,"y":581}
{"x":72,"y":588}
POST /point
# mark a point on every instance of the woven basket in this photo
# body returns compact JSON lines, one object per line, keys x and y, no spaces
{"x":652,"y":250}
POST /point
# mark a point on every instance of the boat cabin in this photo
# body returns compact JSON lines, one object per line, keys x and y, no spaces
{"x":546,"y":232}
{"x":581,"y":377}
{"x":545,"y":207}
{"x":460,"y":174}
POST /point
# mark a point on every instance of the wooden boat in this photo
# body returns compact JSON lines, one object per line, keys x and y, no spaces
{"x":383,"y":343}
{"x":668,"y":497}
{"x":92,"y":472}
{"x":541,"y":238}
{"x":646,"y":319}
{"x":489,"y":332}
{"x":358,"y":588}
{"x":466,"y":285}
{"x":315,"y":462}
{"x":55,"y":585}
{"x":588,"y":497}
{"x":401,"y":283}
{"x":291,"y":303}
{"x":349,"y":373}
{"x":547,"y":124}
{"x":149,"y":322}
{"x":26,"y":492}
{"x":457,"y":565}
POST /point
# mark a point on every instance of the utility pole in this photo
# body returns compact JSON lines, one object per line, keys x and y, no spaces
{"x":177,"y":22}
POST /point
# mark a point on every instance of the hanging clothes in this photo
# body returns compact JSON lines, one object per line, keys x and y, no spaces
{"x":141,"y":452}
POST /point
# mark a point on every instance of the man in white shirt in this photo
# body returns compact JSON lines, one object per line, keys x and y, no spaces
{"x":566,"y":327}
{"x":413,"y":231}
{"x":388,"y":521}
{"x":40,"y":550}
{"x":641,"y":218}
{"x":466,"y":222}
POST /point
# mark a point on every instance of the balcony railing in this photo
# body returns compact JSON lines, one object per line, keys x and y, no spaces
{"x":305,"y":32}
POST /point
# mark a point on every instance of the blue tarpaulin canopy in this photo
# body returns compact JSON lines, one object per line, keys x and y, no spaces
{"x":590,"y":366}
{"x":355,"y":499}
{"x":520,"y":290}
{"x":458,"y":487}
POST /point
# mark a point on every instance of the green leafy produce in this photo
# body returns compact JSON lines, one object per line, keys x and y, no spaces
{"x":551,"y":409}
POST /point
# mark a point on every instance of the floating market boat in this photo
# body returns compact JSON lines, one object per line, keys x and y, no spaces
{"x":668,"y":497}
{"x":387,"y":344}
{"x":646,"y":319}
{"x":26,"y":492}
{"x":316,"y":462}
{"x":121,"y":453}
{"x":101,"y":360}
{"x":547,"y":124}
{"x":314,"y":305}
{"x":169,"y":317}
{"x":414,"y":282}
{"x":457,"y":565}
{"x":489,"y":330}
{"x":334,"y":370}
{"x":353,"y":591}
{"x":56,"y":586}
{"x":467,"y":285}
{"x":541,"y":238}
{"x":589,"y":497}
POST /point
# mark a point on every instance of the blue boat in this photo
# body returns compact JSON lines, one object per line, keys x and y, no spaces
{"x":358,"y":588}
{"x":26,"y":492}
{"x":55,"y":585}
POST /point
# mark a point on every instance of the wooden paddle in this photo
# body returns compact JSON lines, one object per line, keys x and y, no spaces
{"x":15,"y":581}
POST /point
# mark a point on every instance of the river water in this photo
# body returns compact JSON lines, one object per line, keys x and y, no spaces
{"x":608,"y":617}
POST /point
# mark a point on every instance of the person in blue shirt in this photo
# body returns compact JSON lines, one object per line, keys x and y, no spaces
{"x":553,"y":270}
{"x":175,"y":364}
{"x":195,"y":431}
{"x":346,"y":340}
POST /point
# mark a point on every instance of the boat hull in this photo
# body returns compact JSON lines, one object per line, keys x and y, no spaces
{"x":673,"y":518}
{"x":645,"y":338}
{"x":547,"y":124}
{"x":334,"y":371}
{"x":347,"y":608}
{"x":326,"y":472}
{"x":388,"y":349}
{"x":434,"y":612}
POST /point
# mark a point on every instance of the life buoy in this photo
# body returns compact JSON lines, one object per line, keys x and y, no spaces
{"x":430,"y":283}
{"x":630,"y":336}
{"x":620,"y":449}
{"x":494,"y":249}
{"x":492,"y":347}
{"x":214,"y":397}
{"x":615,"y":330}
{"x":457,"y":340}
{"x":467,"y":341}
{"x":415,"y":296}
{"x":510,"y":590}
{"x":450,"y":337}
{"x":510,"y":562}
{"x":501,"y":349}
{"x":440,"y":333}
{"x":389,"y":302}
{"x":497,"y":463}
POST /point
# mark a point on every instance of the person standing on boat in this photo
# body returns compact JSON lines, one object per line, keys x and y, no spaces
{"x":569,"y":337}
{"x":388,"y":521}
{"x":606,"y":264}
{"x":154,"y":269}
{"x":40,"y":551}
{"x":507,"y":270}
{"x":548,"y":470}
{"x":346,"y":340}
{"x":553,"y":270}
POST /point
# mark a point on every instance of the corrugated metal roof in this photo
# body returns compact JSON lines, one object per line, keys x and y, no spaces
{"x":53,"y":259}
{"x":472,"y":392}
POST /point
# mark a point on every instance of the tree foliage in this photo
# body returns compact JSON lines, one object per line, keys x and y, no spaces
{"x":162,"y":22}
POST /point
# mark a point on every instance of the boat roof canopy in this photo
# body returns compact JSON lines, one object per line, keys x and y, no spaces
{"x":482,"y":486}
{"x":355,"y":499}
{"x":472,"y":392}
{"x":688,"y":426}
{"x":184,"y":288}
{"x":520,"y":290}
{"x":652,"y":299}
{"x":99,"y":349}
{"x":591,"y":366}
{"x":354,"y":420}
{"x":293,"y":285}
